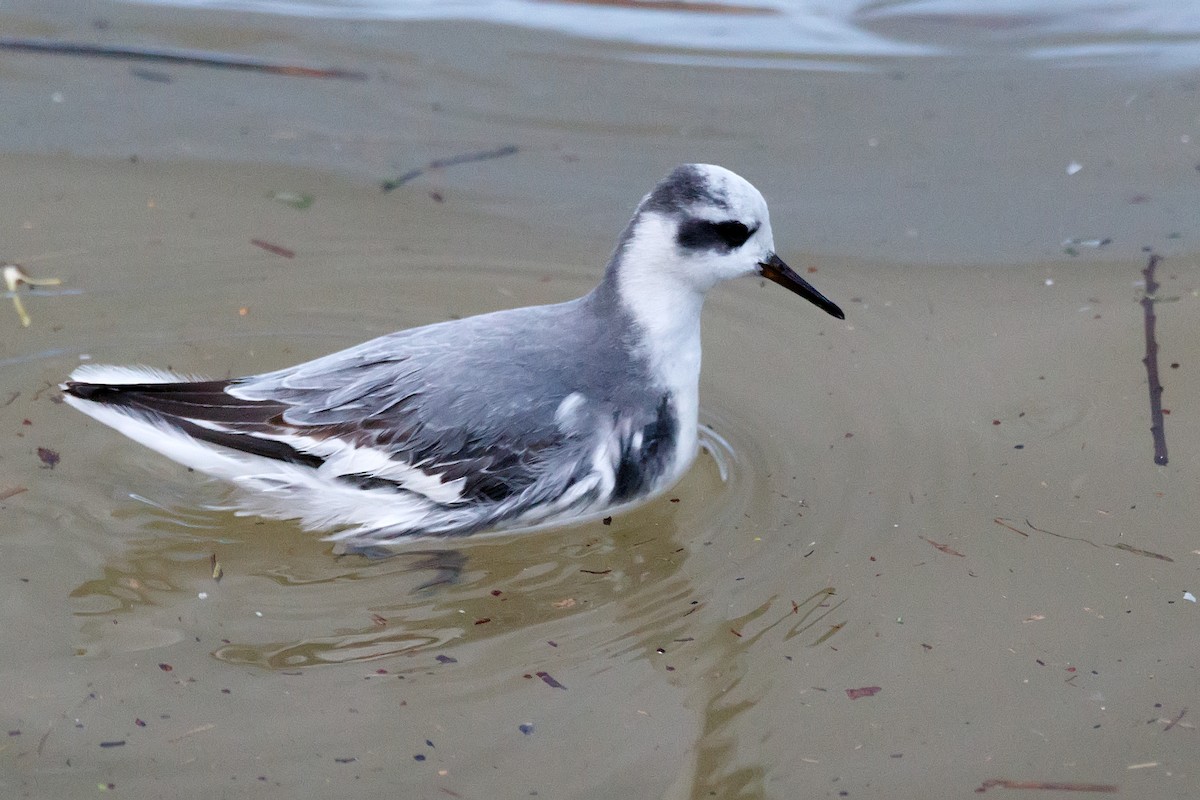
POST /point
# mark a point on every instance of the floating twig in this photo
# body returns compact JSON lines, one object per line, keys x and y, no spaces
{"x":199,"y":58}
{"x":1003,"y":523}
{"x":1033,"y":527}
{"x":548,"y":679}
{"x":273,"y":248}
{"x":1137,"y":551}
{"x":1157,"y":429}
{"x":1054,"y":786}
{"x":450,"y":161}
{"x":945,"y":548}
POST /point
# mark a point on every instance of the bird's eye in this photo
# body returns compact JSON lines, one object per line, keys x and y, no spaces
{"x":702,"y":234}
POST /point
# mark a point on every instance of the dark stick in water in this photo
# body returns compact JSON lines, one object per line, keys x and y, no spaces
{"x":449,"y":161}
{"x":1151,"y":361}
{"x":201,"y":58}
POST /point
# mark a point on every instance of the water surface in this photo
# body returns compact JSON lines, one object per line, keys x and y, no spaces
{"x":949,"y":496}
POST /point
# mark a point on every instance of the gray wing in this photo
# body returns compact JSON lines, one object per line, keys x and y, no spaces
{"x":477,"y":404}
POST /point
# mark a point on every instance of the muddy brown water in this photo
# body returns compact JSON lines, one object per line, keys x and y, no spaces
{"x":949,"y":496}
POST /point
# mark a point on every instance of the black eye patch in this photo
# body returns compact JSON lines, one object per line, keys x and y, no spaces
{"x":701,"y":234}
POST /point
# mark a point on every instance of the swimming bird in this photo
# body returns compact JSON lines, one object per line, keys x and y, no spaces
{"x":505,"y":420}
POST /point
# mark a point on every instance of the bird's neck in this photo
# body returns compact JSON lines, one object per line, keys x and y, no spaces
{"x":644,"y":280}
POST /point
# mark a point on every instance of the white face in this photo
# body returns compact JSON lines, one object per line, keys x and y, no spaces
{"x":704,"y":225}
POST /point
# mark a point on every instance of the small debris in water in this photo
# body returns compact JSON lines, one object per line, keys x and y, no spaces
{"x":945,"y":548}
{"x":15,"y":275}
{"x":865,"y":691}
{"x":450,"y":161}
{"x":11,"y":491}
{"x":296,"y":200}
{"x":1092,"y":243}
{"x":549,"y":680}
{"x":154,"y":76}
{"x":1001,"y":522}
{"x":346,"y":760}
{"x":117,"y":743}
{"x":273,"y":248}
{"x":49,"y":457}
{"x":526,"y":728}
{"x":1054,"y":786}
{"x":1191,"y":598}
{"x":217,"y":571}
{"x":443,"y":659}
{"x":165,"y":667}
{"x":1137,"y":551}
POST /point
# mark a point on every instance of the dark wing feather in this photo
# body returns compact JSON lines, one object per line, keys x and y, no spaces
{"x":181,"y":404}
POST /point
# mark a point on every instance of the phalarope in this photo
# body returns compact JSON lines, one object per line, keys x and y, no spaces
{"x":503,"y":420}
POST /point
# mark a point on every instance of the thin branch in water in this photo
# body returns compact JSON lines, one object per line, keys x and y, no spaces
{"x":449,"y":161}
{"x":199,"y":58}
{"x":1137,"y":551}
{"x":945,"y":548}
{"x":1157,"y":428}
{"x":1060,"y":535}
{"x":1002,"y":522}
{"x":1053,"y":786}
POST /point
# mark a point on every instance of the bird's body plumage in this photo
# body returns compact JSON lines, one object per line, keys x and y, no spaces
{"x":502,"y":420}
